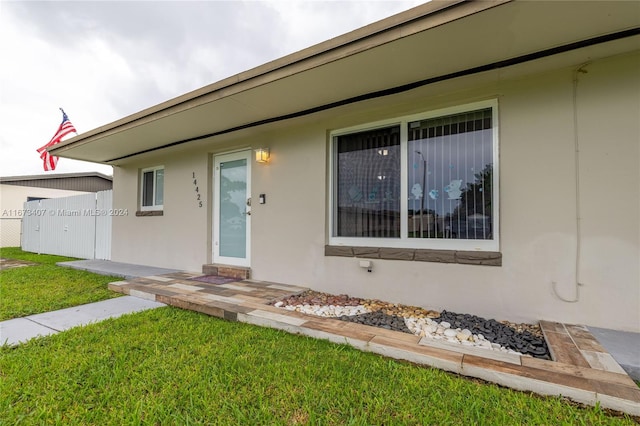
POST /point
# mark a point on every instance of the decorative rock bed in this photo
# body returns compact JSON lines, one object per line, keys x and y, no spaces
{"x":463,"y":329}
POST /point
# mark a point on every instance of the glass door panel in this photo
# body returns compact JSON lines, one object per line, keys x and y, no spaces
{"x":232,"y":209}
{"x":233,"y":203}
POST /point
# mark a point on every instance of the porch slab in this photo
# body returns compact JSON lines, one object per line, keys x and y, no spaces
{"x":186,"y":287}
{"x":237,"y":287}
{"x":581,"y":369}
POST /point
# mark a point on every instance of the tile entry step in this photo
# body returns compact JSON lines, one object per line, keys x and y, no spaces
{"x":237,"y":272}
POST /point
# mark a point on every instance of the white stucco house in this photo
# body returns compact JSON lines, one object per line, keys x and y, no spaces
{"x":480,"y":157}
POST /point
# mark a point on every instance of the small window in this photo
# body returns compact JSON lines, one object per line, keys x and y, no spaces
{"x":152,"y":188}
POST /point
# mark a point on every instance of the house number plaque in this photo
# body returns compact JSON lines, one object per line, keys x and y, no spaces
{"x":197,"y":189}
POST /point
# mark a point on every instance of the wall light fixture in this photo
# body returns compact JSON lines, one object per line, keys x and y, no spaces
{"x":262,"y":155}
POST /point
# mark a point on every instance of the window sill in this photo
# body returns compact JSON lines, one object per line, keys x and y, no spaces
{"x":485,"y":258}
{"x":149,"y":213}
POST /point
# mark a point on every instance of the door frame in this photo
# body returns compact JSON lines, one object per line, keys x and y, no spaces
{"x":217,"y":258}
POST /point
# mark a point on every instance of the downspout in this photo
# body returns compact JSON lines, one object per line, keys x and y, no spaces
{"x":576,"y":143}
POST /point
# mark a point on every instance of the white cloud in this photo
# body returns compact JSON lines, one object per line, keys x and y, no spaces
{"x":105,"y":60}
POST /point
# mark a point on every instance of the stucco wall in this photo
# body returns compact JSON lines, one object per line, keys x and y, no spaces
{"x":538,"y":213}
{"x":12,"y":199}
{"x":178,"y":239}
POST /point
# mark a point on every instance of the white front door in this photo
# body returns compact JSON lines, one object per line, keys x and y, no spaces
{"x":232,"y":209}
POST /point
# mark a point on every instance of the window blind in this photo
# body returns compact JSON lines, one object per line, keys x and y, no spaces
{"x":368,"y":184}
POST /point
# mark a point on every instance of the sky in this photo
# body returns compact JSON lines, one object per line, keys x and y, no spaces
{"x":104,"y":60}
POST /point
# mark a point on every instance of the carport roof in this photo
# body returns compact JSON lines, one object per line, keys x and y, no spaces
{"x":432,"y":42}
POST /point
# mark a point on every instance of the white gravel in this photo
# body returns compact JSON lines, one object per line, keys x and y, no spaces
{"x":423,"y":327}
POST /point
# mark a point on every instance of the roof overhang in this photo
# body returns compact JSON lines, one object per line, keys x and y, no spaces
{"x":424,"y":45}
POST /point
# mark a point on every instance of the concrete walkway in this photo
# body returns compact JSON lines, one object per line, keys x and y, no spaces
{"x":116,"y":269}
{"x":20,"y":330}
{"x":624,"y":347}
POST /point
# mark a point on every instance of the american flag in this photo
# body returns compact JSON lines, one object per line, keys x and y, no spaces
{"x":65,"y":128}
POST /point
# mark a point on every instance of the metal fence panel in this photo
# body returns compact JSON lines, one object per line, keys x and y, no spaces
{"x":77,"y":226}
{"x":70,"y":230}
{"x":30,"y":239}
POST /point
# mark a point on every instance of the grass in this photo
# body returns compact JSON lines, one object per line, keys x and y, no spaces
{"x":170,"y":366}
{"x":46,"y":287}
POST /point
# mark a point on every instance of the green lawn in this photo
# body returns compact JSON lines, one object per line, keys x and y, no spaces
{"x":46,"y":287}
{"x":170,"y":366}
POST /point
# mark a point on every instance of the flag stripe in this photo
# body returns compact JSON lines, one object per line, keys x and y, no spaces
{"x":50,"y":161}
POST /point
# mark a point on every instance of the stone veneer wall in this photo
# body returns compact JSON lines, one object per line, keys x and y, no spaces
{"x":140,"y":213}
{"x":486,"y":258}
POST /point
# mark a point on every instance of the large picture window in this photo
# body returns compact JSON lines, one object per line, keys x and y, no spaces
{"x":425,"y":181}
{"x":152,"y":188}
